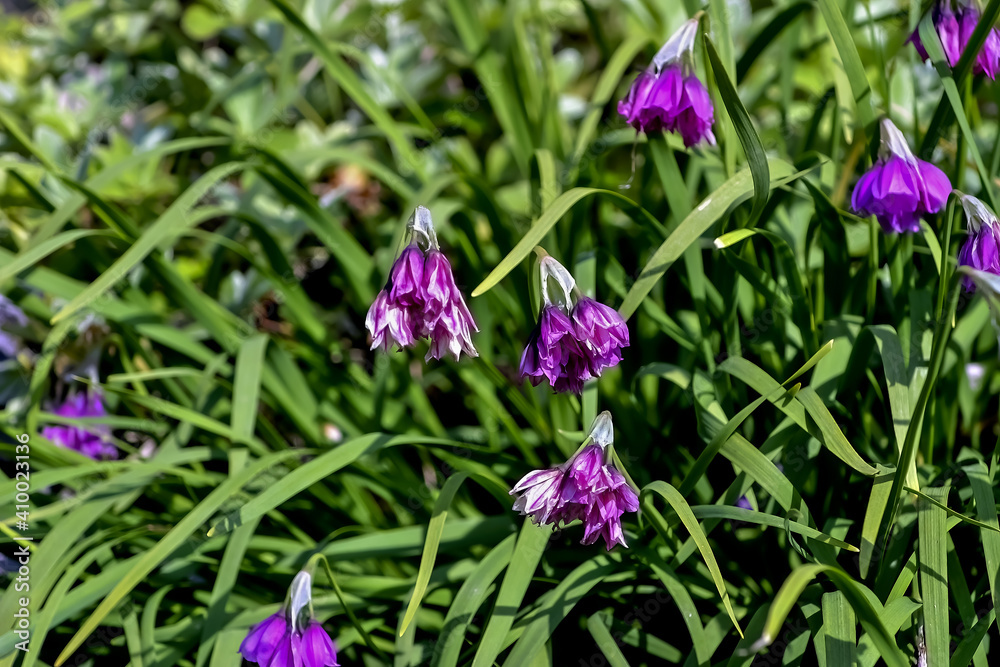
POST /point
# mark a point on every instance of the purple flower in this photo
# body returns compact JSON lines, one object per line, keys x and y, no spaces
{"x":602,"y":334}
{"x":447,"y":319}
{"x":553,"y":352}
{"x":390,"y":324}
{"x":668,"y":96}
{"x":954,"y":30}
{"x":988,"y":59}
{"x":422,"y":300}
{"x":576,"y":337}
{"x":981,"y":249}
{"x":91,"y":441}
{"x":744,"y":503}
{"x":406,"y":286}
{"x":394,"y":318}
{"x":946,"y":25}
{"x":899,"y":189}
{"x":586,"y":487}
{"x":279,"y":641}
{"x":10,"y":317}
{"x":262,"y":641}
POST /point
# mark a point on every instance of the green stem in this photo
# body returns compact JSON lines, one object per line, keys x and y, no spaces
{"x":942,"y":333}
{"x":350,"y":614}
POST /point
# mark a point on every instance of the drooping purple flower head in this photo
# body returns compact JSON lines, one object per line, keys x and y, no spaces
{"x":587,"y":487}
{"x":394,"y":318}
{"x":553,"y":353}
{"x":262,"y":641}
{"x":954,"y":29}
{"x":11,"y":317}
{"x":668,"y":96}
{"x":946,"y":25}
{"x":981,"y":249}
{"x":280,"y":640}
{"x":988,"y":59}
{"x":422,"y":300}
{"x":576,"y":337}
{"x":447,"y":319}
{"x":92,"y":440}
{"x":900,"y":188}
{"x":602,"y":334}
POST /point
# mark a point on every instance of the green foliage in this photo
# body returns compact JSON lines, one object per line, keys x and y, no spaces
{"x":199,"y":201}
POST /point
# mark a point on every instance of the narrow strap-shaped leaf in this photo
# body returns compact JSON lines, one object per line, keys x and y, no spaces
{"x":881,"y":485}
{"x":173,"y":221}
{"x":540,"y":227}
{"x":853,"y":67}
{"x":973,"y":639}
{"x":434,"y":530}
{"x":933,"y":560}
{"x":760,"y":518}
{"x":756,"y":159}
{"x":605,"y":642}
{"x":556,"y":606}
{"x":37,"y":253}
{"x":833,"y":437}
{"x":711,"y":210}
{"x":527,"y":553}
{"x":246,"y":385}
{"x":152,"y":558}
{"x":467,"y":601}
{"x":986,"y":510}
{"x":908,"y":454}
{"x":687,"y":517}
{"x":856,"y":596}
{"x":840,"y":630}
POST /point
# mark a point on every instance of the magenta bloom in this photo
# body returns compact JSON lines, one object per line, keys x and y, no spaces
{"x":273,"y":643}
{"x":988,"y":59}
{"x":954,"y":30}
{"x":586,"y":487}
{"x":899,"y":189}
{"x":91,"y":441}
{"x":422,"y":300}
{"x":981,"y":249}
{"x":554,"y":353}
{"x":602,"y":334}
{"x":669,"y":97}
{"x":576,"y":337}
{"x":280,"y":640}
{"x":447,"y":320}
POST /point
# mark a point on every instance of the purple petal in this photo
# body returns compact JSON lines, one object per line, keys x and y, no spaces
{"x":263,"y":638}
{"x":316,"y":647}
{"x":407,"y":278}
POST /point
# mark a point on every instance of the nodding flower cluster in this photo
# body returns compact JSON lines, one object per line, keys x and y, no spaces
{"x":587,"y":487}
{"x":954,"y":28}
{"x":900,"y":188}
{"x":421,"y":299}
{"x":668,"y":96}
{"x":292,"y":637}
{"x":576,"y":337}
{"x":981,"y":250}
